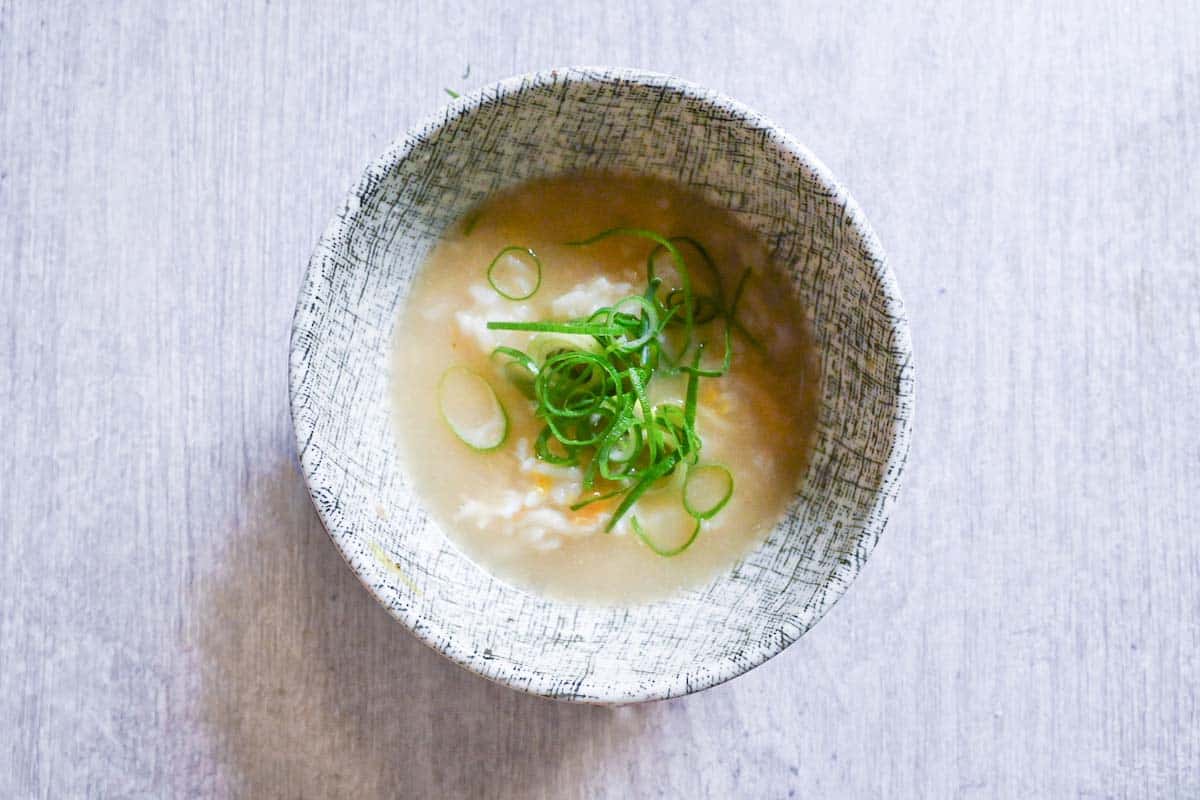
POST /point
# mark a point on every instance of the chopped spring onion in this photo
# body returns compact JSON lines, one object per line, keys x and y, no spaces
{"x":732,"y":315}
{"x":515,"y":263}
{"x":706,"y":490}
{"x":542,"y":448}
{"x":666,"y":552}
{"x":676,"y":258}
{"x":520,"y":369}
{"x":472,"y":410}
{"x":544,"y":345}
{"x":659,"y":470}
{"x":587,"y":501}
{"x":584,"y":328}
{"x":590,"y":379}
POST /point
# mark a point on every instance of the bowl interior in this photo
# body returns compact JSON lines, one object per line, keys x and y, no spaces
{"x":359,"y":277}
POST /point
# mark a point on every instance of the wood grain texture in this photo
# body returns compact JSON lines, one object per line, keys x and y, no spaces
{"x":173,"y":622}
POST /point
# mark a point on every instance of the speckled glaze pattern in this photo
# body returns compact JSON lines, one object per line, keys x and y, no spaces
{"x":359,"y":277}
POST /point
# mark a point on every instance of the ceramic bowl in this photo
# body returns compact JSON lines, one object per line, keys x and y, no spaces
{"x":357,"y":281}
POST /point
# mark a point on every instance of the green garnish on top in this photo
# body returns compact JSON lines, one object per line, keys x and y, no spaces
{"x":509,"y":286}
{"x":590,"y":379}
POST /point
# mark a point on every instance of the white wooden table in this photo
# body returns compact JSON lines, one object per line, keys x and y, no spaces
{"x":174,"y":622}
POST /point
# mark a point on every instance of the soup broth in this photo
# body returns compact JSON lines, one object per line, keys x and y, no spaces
{"x":523,"y":257}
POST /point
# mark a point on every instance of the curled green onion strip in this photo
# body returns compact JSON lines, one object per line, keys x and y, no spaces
{"x":537,"y":264}
{"x":666,"y":552}
{"x":472,"y":410}
{"x":582,"y":328}
{"x":596,"y":499}
{"x":660,"y":470}
{"x":520,"y":369}
{"x":590,"y":380}
{"x":716,"y":505}
{"x":542,"y":448}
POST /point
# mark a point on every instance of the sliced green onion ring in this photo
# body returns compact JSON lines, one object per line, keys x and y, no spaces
{"x":558,"y":327}
{"x":647,"y":323}
{"x":525,"y":251}
{"x":659,"y":470}
{"x":676,"y":257}
{"x":587,"y":501}
{"x":708,"y":262}
{"x":689,"y":406}
{"x":520,"y":369}
{"x":653,"y":435}
{"x":666,"y":553}
{"x":731,"y":316}
{"x":544,"y":345}
{"x":572,"y":384}
{"x":541,"y":448}
{"x":471,"y":409}
{"x":516,"y":355}
{"x":590,"y":379}
{"x":706,"y":473}
{"x":695,"y":368}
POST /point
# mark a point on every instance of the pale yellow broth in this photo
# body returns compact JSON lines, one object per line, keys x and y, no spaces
{"x":757,"y":421}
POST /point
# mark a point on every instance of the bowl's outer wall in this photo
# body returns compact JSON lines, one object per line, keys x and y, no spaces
{"x":359,"y":276}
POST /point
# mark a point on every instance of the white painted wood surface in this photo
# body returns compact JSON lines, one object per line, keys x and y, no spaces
{"x":174,"y":623}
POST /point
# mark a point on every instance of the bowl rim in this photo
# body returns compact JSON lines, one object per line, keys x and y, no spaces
{"x":703,"y":675}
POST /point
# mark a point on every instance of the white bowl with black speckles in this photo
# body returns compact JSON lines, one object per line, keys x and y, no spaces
{"x":359,"y":276}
